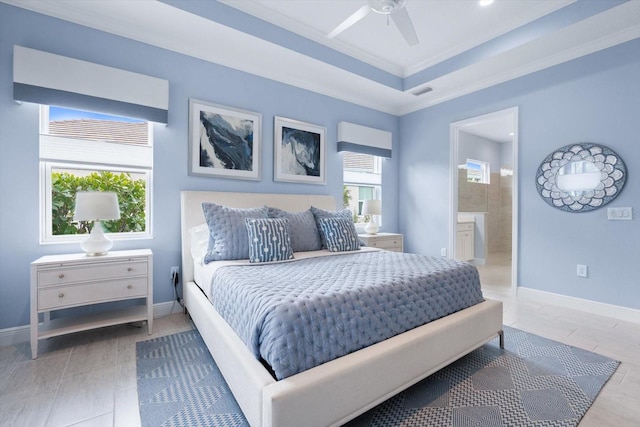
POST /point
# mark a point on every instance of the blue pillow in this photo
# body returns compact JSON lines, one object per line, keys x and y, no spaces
{"x":340,"y":234}
{"x":227,"y":231}
{"x":319,"y":214}
{"x":269,"y":239}
{"x":303,"y":228}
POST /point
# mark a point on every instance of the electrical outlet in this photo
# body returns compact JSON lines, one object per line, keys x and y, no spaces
{"x":443,"y":251}
{"x":174,"y":270}
{"x":581,"y":271}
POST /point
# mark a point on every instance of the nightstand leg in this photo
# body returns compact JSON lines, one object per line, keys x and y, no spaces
{"x":149,"y":316}
{"x":34,"y":336}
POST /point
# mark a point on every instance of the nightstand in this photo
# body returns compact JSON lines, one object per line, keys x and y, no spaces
{"x":386,"y":241}
{"x":64,"y":281}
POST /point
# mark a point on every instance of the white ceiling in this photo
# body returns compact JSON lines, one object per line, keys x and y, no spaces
{"x":445,"y":28}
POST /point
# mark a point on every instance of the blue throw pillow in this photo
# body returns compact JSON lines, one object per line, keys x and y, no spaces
{"x":340,"y":234}
{"x":227,"y":231}
{"x":320,"y":214}
{"x":303,"y":228}
{"x":269,"y":239}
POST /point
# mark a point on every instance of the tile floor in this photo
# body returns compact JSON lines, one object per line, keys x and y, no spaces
{"x":89,"y":379}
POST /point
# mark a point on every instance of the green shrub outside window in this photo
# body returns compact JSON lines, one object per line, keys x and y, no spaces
{"x":131,"y":198}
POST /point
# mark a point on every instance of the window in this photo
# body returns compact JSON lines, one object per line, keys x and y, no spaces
{"x":477,"y":171}
{"x":362,"y":181}
{"x":87,"y":151}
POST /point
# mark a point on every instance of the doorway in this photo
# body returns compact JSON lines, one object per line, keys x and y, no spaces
{"x":483,"y":192}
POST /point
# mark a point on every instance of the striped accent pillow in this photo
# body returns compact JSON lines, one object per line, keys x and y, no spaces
{"x":340,"y":234}
{"x":319,"y":214}
{"x":269,"y":239}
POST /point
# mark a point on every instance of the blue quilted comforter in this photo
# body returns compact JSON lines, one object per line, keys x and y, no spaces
{"x":297,"y":315}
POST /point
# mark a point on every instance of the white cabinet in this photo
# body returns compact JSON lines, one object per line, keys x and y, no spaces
{"x":73,"y":280}
{"x":465,"y":241}
{"x":386,"y":241}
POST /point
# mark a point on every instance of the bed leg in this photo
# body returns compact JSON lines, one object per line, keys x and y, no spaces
{"x":501,"y":336}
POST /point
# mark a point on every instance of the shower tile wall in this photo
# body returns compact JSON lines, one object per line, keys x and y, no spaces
{"x":506,"y":213}
{"x":494,"y":220}
{"x":495,"y":199}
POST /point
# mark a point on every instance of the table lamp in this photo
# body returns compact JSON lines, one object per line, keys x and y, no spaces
{"x":96,"y":206}
{"x":371,"y":207}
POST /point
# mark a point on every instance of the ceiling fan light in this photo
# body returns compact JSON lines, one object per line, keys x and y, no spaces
{"x":386,"y":7}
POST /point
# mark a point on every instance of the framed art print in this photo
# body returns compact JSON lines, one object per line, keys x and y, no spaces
{"x":299,"y":152}
{"x":224,"y":142}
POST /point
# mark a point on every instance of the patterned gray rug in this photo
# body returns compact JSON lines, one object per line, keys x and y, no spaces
{"x":533,"y":382}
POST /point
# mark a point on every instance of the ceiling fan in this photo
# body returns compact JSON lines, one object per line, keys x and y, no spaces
{"x":394,"y":8}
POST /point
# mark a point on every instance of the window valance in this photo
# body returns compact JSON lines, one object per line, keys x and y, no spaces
{"x":364,"y":140}
{"x":46,"y":78}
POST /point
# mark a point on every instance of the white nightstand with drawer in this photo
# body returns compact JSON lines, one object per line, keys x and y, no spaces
{"x":74,"y":280}
{"x":386,"y":241}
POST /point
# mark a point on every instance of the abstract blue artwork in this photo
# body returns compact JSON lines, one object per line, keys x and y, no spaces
{"x":299,"y":152}
{"x":224,"y":141}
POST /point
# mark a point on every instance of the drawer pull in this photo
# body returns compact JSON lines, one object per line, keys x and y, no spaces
{"x":61,"y":295}
{"x":129,"y":286}
{"x":60,"y":276}
{"x":130,"y":269}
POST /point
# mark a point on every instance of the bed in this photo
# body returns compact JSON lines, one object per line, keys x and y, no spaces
{"x":336,"y":391}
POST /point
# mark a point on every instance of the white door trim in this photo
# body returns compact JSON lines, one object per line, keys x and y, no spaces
{"x":455,"y":128}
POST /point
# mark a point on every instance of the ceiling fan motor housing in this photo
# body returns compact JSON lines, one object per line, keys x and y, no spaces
{"x":386,"y":7}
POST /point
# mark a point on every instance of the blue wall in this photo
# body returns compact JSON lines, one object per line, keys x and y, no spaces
{"x":188,"y":78}
{"x":595,"y":98}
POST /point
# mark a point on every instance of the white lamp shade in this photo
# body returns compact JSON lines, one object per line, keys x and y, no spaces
{"x":371,"y":207}
{"x":96,"y":205}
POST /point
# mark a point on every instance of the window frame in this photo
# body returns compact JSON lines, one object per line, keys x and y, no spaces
{"x":143,"y":154}
{"x":485,"y":171}
{"x":365,"y":179}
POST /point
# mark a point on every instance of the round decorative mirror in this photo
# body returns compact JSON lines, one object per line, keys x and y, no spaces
{"x":581,"y":177}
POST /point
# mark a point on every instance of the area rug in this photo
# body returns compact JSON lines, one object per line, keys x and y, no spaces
{"x":534,"y":381}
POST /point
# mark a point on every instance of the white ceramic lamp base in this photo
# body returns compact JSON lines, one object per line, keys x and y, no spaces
{"x":371,"y":227}
{"x":97,"y":243}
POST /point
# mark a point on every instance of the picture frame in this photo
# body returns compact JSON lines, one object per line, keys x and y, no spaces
{"x":299,"y":152}
{"x":224,"y":142}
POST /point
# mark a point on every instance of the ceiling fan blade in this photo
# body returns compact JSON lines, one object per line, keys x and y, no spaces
{"x":357,"y":16}
{"x":403,"y":22}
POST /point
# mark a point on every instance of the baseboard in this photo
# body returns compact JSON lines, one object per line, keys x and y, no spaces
{"x":603,"y":309}
{"x":14,"y":335}
{"x":20,"y":334}
{"x":162,"y":309}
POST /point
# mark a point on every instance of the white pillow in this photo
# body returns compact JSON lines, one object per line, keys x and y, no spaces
{"x":199,"y":241}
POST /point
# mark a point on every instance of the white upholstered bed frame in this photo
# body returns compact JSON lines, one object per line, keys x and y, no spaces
{"x":335,"y":392}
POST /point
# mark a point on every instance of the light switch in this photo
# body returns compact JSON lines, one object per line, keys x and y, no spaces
{"x":619,"y":214}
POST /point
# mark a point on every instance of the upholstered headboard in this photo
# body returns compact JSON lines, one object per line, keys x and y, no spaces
{"x":191,"y":212}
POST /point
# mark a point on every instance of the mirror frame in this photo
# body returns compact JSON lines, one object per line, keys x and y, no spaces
{"x":607,"y":161}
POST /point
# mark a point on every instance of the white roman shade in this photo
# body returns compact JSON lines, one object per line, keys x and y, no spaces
{"x":49,"y":79}
{"x":363,"y":140}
